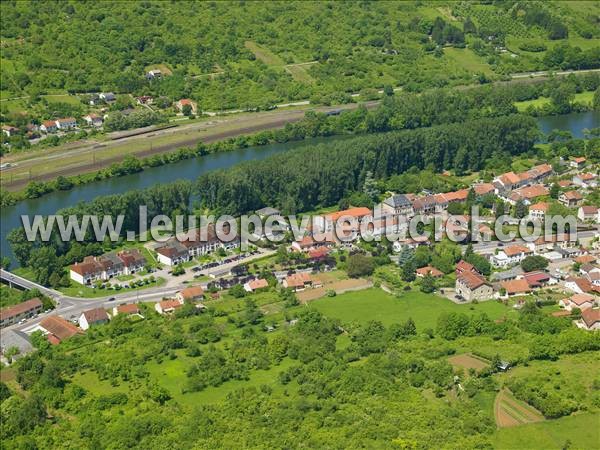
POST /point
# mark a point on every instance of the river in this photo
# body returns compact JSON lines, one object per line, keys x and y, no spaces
{"x":192,"y":168}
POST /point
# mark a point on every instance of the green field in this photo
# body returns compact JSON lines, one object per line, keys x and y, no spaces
{"x":581,"y":97}
{"x":582,"y":430}
{"x":375,"y":304}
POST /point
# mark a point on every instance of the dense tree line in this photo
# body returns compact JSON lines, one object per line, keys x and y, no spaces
{"x":305,"y":178}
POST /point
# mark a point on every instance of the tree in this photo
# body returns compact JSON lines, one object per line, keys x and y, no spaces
{"x":187,"y":110}
{"x":533,"y":263}
{"x":428,"y":284}
{"x":408,"y":271}
{"x":360,"y":265}
{"x":562,"y":96}
{"x":237,"y":290}
{"x":521,"y":209}
{"x":370,"y":187}
{"x":554,"y":190}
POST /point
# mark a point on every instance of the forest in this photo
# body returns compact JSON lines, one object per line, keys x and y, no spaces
{"x":230,"y":55}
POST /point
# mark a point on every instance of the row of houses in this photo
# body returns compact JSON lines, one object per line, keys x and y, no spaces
{"x":64,"y":124}
{"x":22,"y":311}
{"x":107,"y":266}
{"x":183,"y":248}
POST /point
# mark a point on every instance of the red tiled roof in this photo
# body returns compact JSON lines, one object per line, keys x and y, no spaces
{"x":542,"y":206}
{"x":62,"y":329}
{"x":298,"y":279}
{"x":259,"y":283}
{"x":170,"y":304}
{"x":483,"y":188}
{"x":128,"y":309}
{"x":471,"y":279}
{"x":516,"y":286}
{"x":431,"y":271}
{"x":580,"y":299}
{"x":514,"y":250}
{"x":192,"y":292}
{"x":585,"y":259}
{"x":20,"y":308}
{"x":352,"y":212}
{"x":590,"y":317}
{"x":464,"y":266}
{"x":573,"y":195}
{"x":95,"y":315}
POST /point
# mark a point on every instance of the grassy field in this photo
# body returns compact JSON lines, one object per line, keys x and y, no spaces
{"x":375,"y":304}
{"x":264,"y":54}
{"x":582,"y":97}
{"x":581,"y":430}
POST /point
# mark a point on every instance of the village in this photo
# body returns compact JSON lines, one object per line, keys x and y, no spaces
{"x":556,"y":269}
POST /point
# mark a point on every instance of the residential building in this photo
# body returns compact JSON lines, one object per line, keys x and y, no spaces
{"x":571,"y":199}
{"x":581,"y":301}
{"x":49,"y":126}
{"x":128,"y":309}
{"x":526,"y":194}
{"x":253,"y":285}
{"x":310,"y":242}
{"x":462,"y":266}
{"x":133,"y":261}
{"x":483,"y":189}
{"x":578,"y":163}
{"x":267,"y":212}
{"x":564,"y":183}
{"x":107,"y":266}
{"x":96,"y":316}
{"x":516,"y":287}
{"x":93,"y":120}
{"x":327,"y":222}
{"x":472,"y":286}
{"x":190,"y":294}
{"x":590,"y":319}
{"x":539,"y":279}
{"x":145,"y":100}
{"x":397,"y":204}
{"x":172,"y":253}
{"x":186,"y":102}
{"x":107,"y":97}
{"x":58,"y":329}
{"x":538,"y":211}
{"x":299,"y":281}
{"x":586,"y":180}
{"x":24,"y":310}
{"x":66,"y":123}
{"x":167,"y":306}
{"x":9,"y":130}
{"x":153,"y":74}
{"x":507,"y":275}
{"x":578,"y":285}
{"x":512,"y":254}
{"x":588,"y":213}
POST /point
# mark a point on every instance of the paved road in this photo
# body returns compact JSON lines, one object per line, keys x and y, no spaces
{"x":71,"y":307}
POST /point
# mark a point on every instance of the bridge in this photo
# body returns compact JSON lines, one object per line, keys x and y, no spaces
{"x":16,"y":281}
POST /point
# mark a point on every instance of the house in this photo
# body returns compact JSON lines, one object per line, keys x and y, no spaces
{"x":10,"y":339}
{"x":107,"y":97}
{"x":484,"y":189}
{"x":570,"y":198}
{"x":308,"y":242}
{"x":93,"y":120}
{"x":578,"y":285}
{"x":512,"y":254}
{"x":66,"y":123}
{"x":564,"y":183}
{"x":328,"y":222}
{"x":592,"y":274}
{"x":586,"y":180}
{"x":423,"y":271}
{"x":578,"y":163}
{"x":172,"y":253}
{"x":87,"y":271}
{"x":9,"y":130}
{"x":540,"y":172}
{"x":397,"y":204}
{"x":507,"y":182}
{"x":581,"y":301}
{"x":527,"y":194}
{"x":145,"y":100}
{"x":507,"y":275}
{"x":153,"y":74}
{"x":186,"y":102}
{"x":585,"y":259}
{"x":48,"y":126}
{"x":96,"y":316}
{"x":253,"y":285}
{"x":424,"y":206}
{"x":190,"y":294}
{"x":133,"y":261}
{"x":317,"y":254}
{"x":472,"y":286}
{"x":127,"y":310}
{"x":588,"y":213}
{"x":539,"y":279}
{"x":538,"y":211}
{"x":23,"y":310}
{"x":58,"y":329}
{"x":167,"y":306}
{"x":516,"y":287}
{"x":590,"y":319}
{"x":462,"y":266}
{"x":299,"y":281}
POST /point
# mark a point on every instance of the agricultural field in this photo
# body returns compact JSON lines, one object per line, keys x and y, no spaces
{"x":510,"y":412}
{"x":466,"y":361}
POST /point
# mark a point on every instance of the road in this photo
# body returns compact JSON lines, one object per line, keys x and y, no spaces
{"x":71,"y":307}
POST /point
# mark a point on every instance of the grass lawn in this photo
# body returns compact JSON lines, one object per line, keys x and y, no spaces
{"x":582,"y":97}
{"x":78,"y":290}
{"x":465,"y":59}
{"x":171,"y":374}
{"x":91,"y":383}
{"x":264,"y":54}
{"x":581,"y":429}
{"x":375,"y":304}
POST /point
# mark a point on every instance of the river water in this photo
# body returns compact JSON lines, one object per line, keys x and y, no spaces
{"x":192,"y":168}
